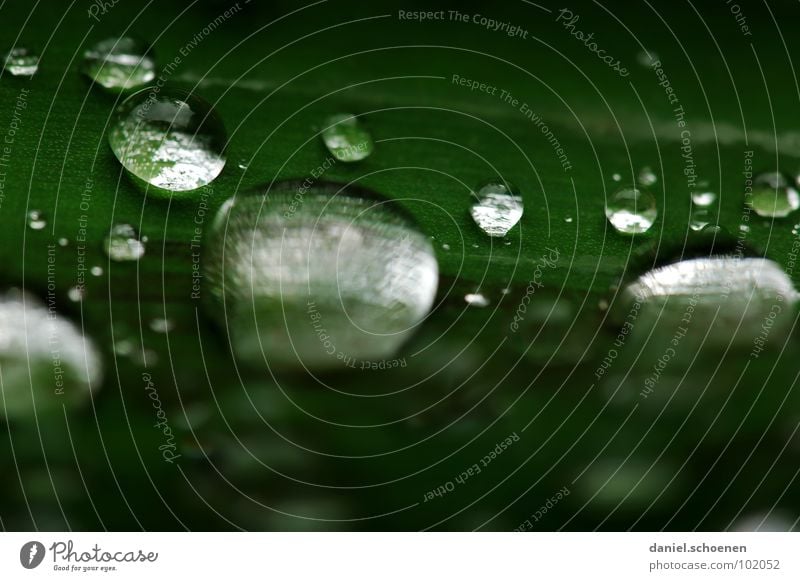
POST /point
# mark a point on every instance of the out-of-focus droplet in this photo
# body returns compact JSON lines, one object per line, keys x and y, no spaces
{"x":161,"y":325}
{"x":123,"y":245}
{"x":21,"y":62}
{"x":63,"y":242}
{"x":647,"y":177}
{"x":46,"y":362}
{"x":174,"y":142}
{"x":96,"y":271}
{"x":704,"y":198}
{"x":346,"y":138}
{"x":497,"y":207}
{"x":476,"y":300}
{"x":631,"y":211}
{"x":344,"y":275}
{"x":119,"y":64}
{"x":76,"y":294}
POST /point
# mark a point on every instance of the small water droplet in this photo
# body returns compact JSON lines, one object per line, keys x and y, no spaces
{"x":773,"y":196}
{"x":346,"y":138}
{"x":744,"y":228}
{"x":476,"y":300}
{"x":97,"y":271}
{"x":119,"y":64}
{"x":161,"y":325}
{"x":344,"y":276}
{"x":505,"y":291}
{"x":242,"y":165}
{"x":646,"y":58}
{"x":36,"y":220}
{"x":700,"y":218}
{"x":476,"y":245}
{"x":63,"y":242}
{"x":122,"y":244}
{"x":507,"y":243}
{"x":172,"y":142}
{"x":497,"y":207}
{"x":647,"y":177}
{"x":445,"y":246}
{"x":712,"y":230}
{"x":21,"y":62}
{"x":631,"y":211}
{"x":602,"y":305}
{"x":568,"y":219}
{"x":704,"y":198}
{"x":76,"y":294}
{"x":123,"y":347}
{"x":616,"y":177}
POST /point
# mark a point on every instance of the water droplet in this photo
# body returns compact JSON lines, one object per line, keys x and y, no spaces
{"x":76,"y":294}
{"x":161,"y":325}
{"x":344,"y":276}
{"x":97,"y":271}
{"x":47,"y":362}
{"x":704,"y":199}
{"x":647,"y":176}
{"x":346,"y":138}
{"x":476,"y":245}
{"x":21,"y":62}
{"x":700,"y":218}
{"x":497,"y":207}
{"x":712,"y":230}
{"x":63,"y":242}
{"x":646,"y":58}
{"x":476,"y":300}
{"x":36,"y":220}
{"x":122,"y":244}
{"x":505,"y":291}
{"x":773,"y":196}
{"x":119,"y":64}
{"x":744,"y":228}
{"x":172,"y":142}
{"x":445,"y":246}
{"x":602,"y":304}
{"x":568,"y":219}
{"x":616,"y":177}
{"x":631,"y":211}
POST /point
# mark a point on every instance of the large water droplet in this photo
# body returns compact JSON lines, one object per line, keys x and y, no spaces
{"x":631,"y":211}
{"x":172,"y":142}
{"x":319,"y":275}
{"x":123,"y":245}
{"x":46,"y":361}
{"x":346,"y":138}
{"x":21,"y":62}
{"x":773,"y":196}
{"x":497,"y":207}
{"x":119,"y":64}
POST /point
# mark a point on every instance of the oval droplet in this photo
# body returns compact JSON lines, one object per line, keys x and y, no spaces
{"x":497,"y":207}
{"x":318,"y":276}
{"x":175,"y":143}
{"x":21,"y":62}
{"x":476,"y":300}
{"x":36,"y":220}
{"x":123,"y":245}
{"x":631,"y":211}
{"x":704,"y":199}
{"x":119,"y":64}
{"x":773,"y":196}
{"x":346,"y":138}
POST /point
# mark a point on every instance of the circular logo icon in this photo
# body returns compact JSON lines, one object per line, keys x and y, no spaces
{"x":31,"y":554}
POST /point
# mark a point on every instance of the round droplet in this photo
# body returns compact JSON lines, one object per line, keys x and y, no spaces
{"x":616,"y":177}
{"x":647,"y":177}
{"x":343,"y":276}
{"x":63,"y":242}
{"x":76,"y":294}
{"x":346,"y":138}
{"x":161,"y":325}
{"x":119,"y":64}
{"x":36,"y":220}
{"x":96,"y":271}
{"x":497,"y":207}
{"x":21,"y":62}
{"x":704,"y":198}
{"x":631,"y":211}
{"x":773,"y":196}
{"x":700,"y":218}
{"x":476,"y":300}
{"x":175,"y":143}
{"x":123,"y":245}
{"x":46,"y":362}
